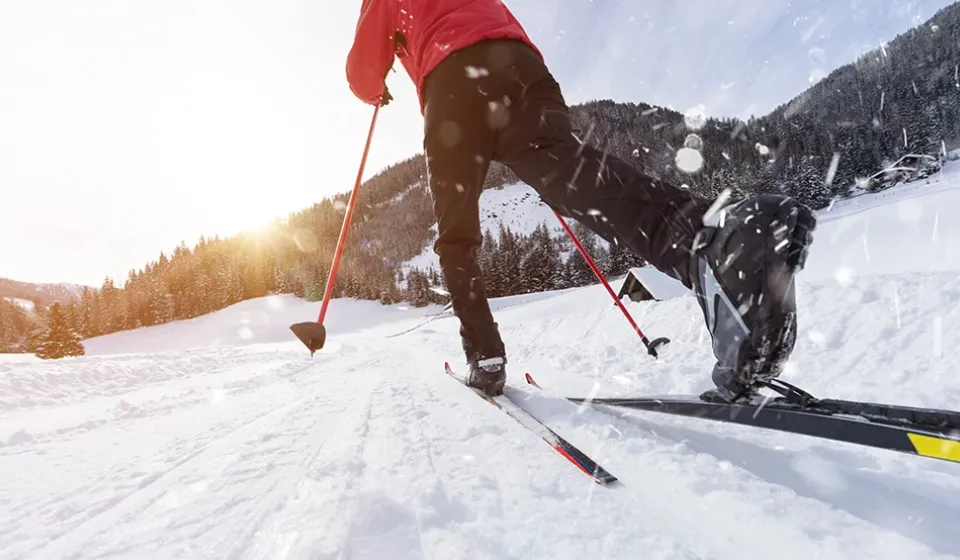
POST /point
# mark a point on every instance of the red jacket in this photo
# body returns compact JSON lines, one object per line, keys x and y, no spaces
{"x":431,"y":29}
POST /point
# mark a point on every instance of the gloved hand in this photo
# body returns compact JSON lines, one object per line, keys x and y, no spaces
{"x":385,"y":97}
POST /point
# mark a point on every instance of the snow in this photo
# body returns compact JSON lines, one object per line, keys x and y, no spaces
{"x":519,"y":207}
{"x":221,"y":437}
{"x":426,"y":260}
{"x":516,"y":205}
{"x":660,"y":286}
{"x":260,"y":321}
{"x":24,"y":303}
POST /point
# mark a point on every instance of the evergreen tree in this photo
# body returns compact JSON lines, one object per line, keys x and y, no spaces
{"x":15,"y":326}
{"x":578,"y":270}
{"x":541,"y":265}
{"x":59,"y":340}
{"x":809,"y":186}
{"x":510,"y":255}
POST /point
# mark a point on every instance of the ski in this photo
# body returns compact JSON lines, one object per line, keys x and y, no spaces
{"x":580,"y":459}
{"x":925,"y":432}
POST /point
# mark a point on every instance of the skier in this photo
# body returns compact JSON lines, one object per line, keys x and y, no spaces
{"x":486,"y":95}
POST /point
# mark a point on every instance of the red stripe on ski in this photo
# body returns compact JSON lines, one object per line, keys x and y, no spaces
{"x":553,"y":439}
{"x":560,"y":449}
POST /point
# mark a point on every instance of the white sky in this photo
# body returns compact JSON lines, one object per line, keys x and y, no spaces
{"x":126,"y":126}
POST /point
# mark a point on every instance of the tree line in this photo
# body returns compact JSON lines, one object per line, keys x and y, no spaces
{"x":514,"y":264}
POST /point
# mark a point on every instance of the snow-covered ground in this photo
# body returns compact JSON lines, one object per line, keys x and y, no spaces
{"x":223,"y":438}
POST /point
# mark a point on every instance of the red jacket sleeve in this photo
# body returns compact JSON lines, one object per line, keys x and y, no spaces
{"x":373,"y":50}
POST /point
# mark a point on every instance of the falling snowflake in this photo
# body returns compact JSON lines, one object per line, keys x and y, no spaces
{"x":693,"y":141}
{"x":689,"y":160}
{"x":844,"y":275}
{"x":696,"y":117}
{"x":473,"y":72}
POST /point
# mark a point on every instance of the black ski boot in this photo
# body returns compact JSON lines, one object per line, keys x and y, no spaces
{"x":744,"y":264}
{"x":489,"y":375}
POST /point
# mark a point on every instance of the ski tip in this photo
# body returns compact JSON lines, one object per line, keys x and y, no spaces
{"x":531,"y":381}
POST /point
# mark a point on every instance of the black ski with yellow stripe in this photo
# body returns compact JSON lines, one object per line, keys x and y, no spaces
{"x":918,"y":431}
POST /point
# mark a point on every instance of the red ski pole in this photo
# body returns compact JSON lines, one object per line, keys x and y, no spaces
{"x":313,"y":335}
{"x":651,"y":346}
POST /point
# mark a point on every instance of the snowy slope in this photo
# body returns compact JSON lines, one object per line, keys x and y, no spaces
{"x":222,"y":445}
{"x":45,"y":293}
{"x":517,"y":206}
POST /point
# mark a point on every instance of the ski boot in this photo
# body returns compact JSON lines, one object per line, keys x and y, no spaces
{"x":744,"y":263}
{"x":488,"y":375}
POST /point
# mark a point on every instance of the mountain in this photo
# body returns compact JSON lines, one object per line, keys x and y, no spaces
{"x":45,"y":294}
{"x":737,"y":58}
{"x":221,"y":437}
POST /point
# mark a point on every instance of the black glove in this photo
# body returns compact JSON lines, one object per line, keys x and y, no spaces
{"x":385,"y":97}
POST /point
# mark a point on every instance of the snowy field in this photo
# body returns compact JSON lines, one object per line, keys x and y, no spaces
{"x":222,"y":438}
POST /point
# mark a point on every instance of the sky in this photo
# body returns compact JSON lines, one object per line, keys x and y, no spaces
{"x":127,"y":127}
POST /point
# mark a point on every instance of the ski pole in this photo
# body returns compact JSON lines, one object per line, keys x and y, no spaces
{"x":651,"y":346}
{"x":313,"y":335}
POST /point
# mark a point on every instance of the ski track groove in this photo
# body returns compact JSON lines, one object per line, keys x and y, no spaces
{"x":122,"y":411}
{"x":271,"y":501}
{"x":147,"y":494}
{"x":338,"y":476}
{"x":147,"y":490}
{"x":428,"y":519}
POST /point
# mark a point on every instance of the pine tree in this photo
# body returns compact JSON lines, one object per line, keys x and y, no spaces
{"x":107,"y":307}
{"x":489,"y":261}
{"x":809,"y":185}
{"x":418,"y":288}
{"x":541,"y":262}
{"x":579,"y":271}
{"x":14,"y":326}
{"x":621,"y":260}
{"x":510,"y":255}
{"x":59,"y":340}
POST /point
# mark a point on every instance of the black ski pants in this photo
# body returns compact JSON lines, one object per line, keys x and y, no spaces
{"x":496,"y":100}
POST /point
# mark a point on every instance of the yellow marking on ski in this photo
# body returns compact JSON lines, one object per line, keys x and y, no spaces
{"x":935,"y":447}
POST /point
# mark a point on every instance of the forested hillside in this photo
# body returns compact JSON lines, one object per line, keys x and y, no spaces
{"x":904,"y":97}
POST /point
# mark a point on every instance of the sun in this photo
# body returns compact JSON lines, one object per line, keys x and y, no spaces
{"x":242,"y":217}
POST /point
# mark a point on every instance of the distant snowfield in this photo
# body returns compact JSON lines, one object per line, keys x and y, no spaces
{"x":222,"y":438}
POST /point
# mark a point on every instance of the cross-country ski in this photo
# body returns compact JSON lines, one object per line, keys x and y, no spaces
{"x":919,"y":431}
{"x":515,"y":410}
